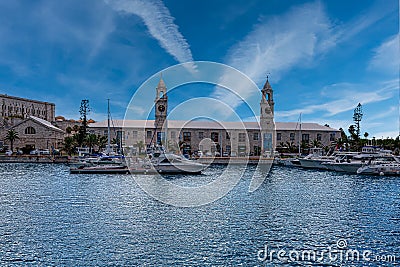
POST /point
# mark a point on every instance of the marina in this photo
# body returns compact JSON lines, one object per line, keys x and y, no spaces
{"x":64,"y":219}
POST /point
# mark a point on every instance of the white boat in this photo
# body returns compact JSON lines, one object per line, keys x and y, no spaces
{"x":346,"y":162}
{"x":287,"y":162}
{"x":381,"y":166}
{"x":164,"y":162}
{"x":315,"y":159}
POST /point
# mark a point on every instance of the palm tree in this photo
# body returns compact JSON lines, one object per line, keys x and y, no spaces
{"x":316,"y":143}
{"x":69,"y":145}
{"x":11,"y":136}
{"x":91,"y":140}
{"x":102,"y":141}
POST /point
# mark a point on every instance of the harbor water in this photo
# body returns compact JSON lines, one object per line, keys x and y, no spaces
{"x":49,"y":217}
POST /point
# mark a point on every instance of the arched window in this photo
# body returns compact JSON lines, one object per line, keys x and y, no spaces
{"x":30,"y":130}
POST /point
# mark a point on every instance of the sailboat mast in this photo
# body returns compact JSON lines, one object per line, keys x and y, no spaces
{"x":108,"y":127}
{"x":300,"y":137}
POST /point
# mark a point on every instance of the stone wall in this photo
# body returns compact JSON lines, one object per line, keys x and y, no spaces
{"x":43,"y":137}
{"x":20,"y":108}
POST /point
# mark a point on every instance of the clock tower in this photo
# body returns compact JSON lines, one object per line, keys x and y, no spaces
{"x":267,"y":121}
{"x":161,"y":104}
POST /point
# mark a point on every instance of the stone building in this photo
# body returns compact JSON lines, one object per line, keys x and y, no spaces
{"x":14,"y":109}
{"x":37,"y":133}
{"x":234,"y":138}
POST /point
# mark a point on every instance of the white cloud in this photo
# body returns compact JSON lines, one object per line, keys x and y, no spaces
{"x":160,"y":24}
{"x":386,"y":57}
{"x":275,"y":45}
{"x":345,"y":97}
{"x":281,"y":42}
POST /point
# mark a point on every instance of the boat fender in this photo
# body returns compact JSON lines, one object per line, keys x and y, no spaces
{"x":381,"y":174}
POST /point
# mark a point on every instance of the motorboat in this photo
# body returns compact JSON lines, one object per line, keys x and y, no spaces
{"x":164,"y":162}
{"x":381,"y":166}
{"x":102,"y":159}
{"x":315,"y":159}
{"x":346,"y":162}
{"x":287,"y":162}
{"x":100,"y":169}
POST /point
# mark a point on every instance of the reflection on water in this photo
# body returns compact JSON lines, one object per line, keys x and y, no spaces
{"x":50,"y":217}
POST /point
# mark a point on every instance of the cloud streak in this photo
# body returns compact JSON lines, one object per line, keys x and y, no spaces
{"x":349,"y":95}
{"x":386,"y":57}
{"x":278,"y":43}
{"x":160,"y":25}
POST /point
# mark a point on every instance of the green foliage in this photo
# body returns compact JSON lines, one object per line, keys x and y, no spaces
{"x":69,"y":145}
{"x":11,"y":136}
{"x":84,"y":111}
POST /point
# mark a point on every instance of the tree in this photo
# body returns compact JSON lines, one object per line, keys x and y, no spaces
{"x":11,"y":136}
{"x":102,"y":141}
{"x":75,"y":128}
{"x":68,"y":145}
{"x":68,"y":130}
{"x":84,"y":111}
{"x":357,"y":117}
{"x":91,"y":140}
{"x":316,"y":143}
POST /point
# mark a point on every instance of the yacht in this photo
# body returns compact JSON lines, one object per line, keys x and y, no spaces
{"x":381,"y":166}
{"x":347,"y":162}
{"x":315,"y":159}
{"x":164,"y":162}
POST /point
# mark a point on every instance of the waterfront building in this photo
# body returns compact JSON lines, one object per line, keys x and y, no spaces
{"x":15,"y":109}
{"x":37,"y":133}
{"x":32,"y":120}
{"x":211,"y":137}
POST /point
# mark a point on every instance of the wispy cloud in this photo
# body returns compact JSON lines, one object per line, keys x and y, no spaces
{"x":275,"y":45}
{"x":278,"y":43}
{"x":344,"y":97}
{"x":386,"y":57}
{"x":160,"y":24}
{"x":367,"y":18}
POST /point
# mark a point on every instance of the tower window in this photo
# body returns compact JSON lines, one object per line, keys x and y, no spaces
{"x":242,"y":137}
{"x":255,"y":136}
{"x":214,"y":136}
{"x":186,"y":136}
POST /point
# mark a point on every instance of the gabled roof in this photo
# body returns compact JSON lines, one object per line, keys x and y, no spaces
{"x":41,"y":122}
{"x":149,"y":124}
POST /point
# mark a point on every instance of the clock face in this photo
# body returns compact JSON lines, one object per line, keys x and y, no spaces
{"x":161,"y":108}
{"x":267,"y":110}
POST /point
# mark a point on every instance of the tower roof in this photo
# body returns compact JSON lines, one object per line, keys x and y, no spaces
{"x":267,"y":86}
{"x":161,"y":84}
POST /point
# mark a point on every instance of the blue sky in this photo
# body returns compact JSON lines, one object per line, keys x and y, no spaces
{"x":324,"y":57}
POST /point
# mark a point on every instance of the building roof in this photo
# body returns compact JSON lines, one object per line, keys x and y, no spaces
{"x":280,"y":126}
{"x":42,"y":122}
{"x":25,"y":99}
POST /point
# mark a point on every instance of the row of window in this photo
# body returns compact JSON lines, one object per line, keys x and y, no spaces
{"x":23,"y":110}
{"x":187,"y":136}
{"x":305,"y":137}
